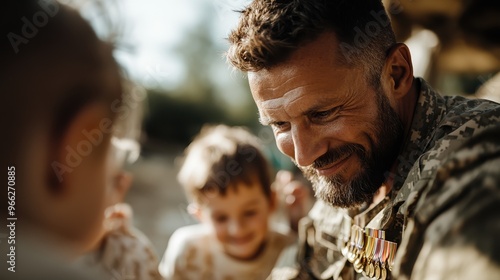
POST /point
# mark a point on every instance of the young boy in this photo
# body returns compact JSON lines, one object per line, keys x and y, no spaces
{"x":60,"y":89}
{"x":227,"y":178}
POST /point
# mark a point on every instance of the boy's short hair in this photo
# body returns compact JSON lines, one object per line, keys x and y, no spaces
{"x":222,"y":157}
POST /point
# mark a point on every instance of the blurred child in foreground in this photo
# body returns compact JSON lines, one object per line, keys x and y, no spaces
{"x":58,"y":84}
{"x":227,"y":179}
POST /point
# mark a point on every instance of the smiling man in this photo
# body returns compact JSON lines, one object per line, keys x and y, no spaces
{"x":343,"y":142}
{"x":393,"y":163}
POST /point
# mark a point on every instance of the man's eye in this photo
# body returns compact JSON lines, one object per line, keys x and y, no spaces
{"x":322,"y":115}
{"x":279,"y":126}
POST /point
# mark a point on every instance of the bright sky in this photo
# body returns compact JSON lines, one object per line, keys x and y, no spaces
{"x":154,"y":27}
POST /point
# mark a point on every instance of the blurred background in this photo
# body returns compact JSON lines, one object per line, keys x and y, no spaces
{"x":173,"y":50}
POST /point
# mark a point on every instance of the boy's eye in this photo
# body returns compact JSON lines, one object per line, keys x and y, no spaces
{"x":220,"y":219}
{"x":250,"y":213}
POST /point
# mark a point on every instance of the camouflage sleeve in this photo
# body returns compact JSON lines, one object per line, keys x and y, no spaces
{"x":318,"y":251}
{"x":294,"y":271}
{"x":454,"y":233}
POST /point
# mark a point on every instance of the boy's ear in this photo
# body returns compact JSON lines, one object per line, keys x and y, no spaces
{"x":85,"y":138}
{"x":122,"y":183}
{"x":195,"y":210}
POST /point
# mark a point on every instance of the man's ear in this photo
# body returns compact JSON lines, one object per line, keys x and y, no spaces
{"x":85,"y":137}
{"x":195,"y":210}
{"x":398,"y":69}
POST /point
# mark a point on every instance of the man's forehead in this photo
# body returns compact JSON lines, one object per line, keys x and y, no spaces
{"x":292,"y":104}
{"x":273,"y":90}
{"x":266,"y":79}
{"x":279,"y":102}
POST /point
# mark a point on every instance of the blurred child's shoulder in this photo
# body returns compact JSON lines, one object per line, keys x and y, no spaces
{"x":186,"y":245}
{"x":190,"y":236}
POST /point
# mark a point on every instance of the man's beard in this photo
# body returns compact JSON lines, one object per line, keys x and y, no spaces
{"x":341,"y":192}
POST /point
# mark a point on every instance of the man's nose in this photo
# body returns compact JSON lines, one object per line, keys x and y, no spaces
{"x":307,"y":145}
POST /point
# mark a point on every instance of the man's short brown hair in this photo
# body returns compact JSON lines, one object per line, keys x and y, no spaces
{"x":270,"y":30}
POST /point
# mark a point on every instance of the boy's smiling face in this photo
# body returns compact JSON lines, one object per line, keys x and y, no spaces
{"x":239,"y":219}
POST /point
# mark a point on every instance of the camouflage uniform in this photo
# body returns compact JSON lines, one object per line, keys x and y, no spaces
{"x":444,"y":208}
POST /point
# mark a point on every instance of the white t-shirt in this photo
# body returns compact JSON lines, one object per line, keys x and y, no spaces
{"x":194,"y":253}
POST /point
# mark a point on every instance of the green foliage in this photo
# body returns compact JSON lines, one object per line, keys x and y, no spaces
{"x":176,"y":120}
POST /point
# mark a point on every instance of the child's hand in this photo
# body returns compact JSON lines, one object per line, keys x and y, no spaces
{"x":118,"y":216}
{"x":126,"y":250}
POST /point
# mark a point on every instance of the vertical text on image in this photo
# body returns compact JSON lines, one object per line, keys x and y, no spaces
{"x":11,"y":217}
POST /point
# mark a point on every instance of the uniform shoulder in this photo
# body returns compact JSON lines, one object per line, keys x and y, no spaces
{"x":461,"y":110}
{"x":469,"y":169}
{"x":456,"y":221}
